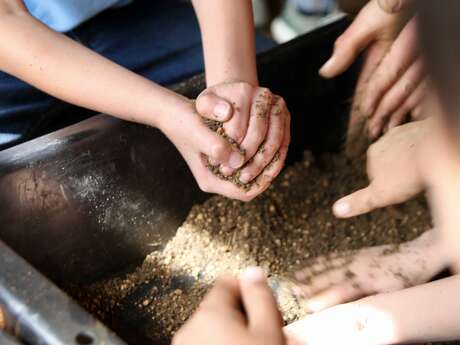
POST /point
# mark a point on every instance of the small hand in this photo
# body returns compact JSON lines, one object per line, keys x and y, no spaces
{"x":343,"y":277}
{"x":243,"y":313}
{"x":260,"y":125}
{"x":197,"y":143}
{"x":392,"y":168}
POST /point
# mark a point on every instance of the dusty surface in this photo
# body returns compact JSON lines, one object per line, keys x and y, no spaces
{"x":280,"y":231}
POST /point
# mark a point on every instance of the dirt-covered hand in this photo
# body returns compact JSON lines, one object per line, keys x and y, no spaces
{"x":260,"y":126}
{"x":235,"y":313}
{"x":342,"y":277}
{"x":392,"y":168}
{"x":198,"y":144}
{"x":390,"y":83}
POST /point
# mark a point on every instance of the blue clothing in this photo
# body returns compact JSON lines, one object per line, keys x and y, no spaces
{"x":157,"y":39}
{"x":64,"y":15}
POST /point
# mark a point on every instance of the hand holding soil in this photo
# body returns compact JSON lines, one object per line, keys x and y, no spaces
{"x":343,"y":277}
{"x":392,"y":170}
{"x":259,"y":129}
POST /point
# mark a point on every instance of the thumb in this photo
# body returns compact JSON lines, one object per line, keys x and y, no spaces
{"x":213,"y":107}
{"x":357,"y":203}
{"x":218,"y":149}
{"x":259,"y":303}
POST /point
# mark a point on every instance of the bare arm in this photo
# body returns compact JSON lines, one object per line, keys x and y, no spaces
{"x":428,"y":312}
{"x":227,"y":29}
{"x":67,"y":70}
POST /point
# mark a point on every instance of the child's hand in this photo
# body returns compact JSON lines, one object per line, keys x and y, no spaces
{"x":196,"y":143}
{"x":243,"y":313}
{"x":260,"y":125}
{"x":391,"y":83}
{"x":392,"y":169}
{"x":351,"y":275}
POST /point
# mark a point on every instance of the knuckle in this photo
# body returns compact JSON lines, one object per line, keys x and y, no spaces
{"x":218,"y":150}
{"x":203,"y":101}
{"x":236,"y":133}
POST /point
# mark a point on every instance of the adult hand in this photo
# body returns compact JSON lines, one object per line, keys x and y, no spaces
{"x":243,"y":313}
{"x":390,"y":83}
{"x":392,"y":168}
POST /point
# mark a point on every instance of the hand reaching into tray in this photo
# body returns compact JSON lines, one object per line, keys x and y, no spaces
{"x":392,"y":82}
{"x":393,"y":170}
{"x":344,"y":277}
{"x":233,"y":312}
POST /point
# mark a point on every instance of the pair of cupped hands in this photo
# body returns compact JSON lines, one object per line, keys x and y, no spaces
{"x":251,"y":145}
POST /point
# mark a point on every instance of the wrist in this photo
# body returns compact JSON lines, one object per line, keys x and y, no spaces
{"x":159,"y":107}
{"x":250,"y":78}
{"x":167,"y":116}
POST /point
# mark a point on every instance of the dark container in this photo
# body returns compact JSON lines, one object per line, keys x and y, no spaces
{"x":83,"y":203}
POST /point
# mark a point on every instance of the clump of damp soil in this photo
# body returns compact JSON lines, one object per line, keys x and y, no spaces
{"x":281,"y":231}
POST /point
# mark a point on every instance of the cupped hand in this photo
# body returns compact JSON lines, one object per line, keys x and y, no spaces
{"x":260,"y":126}
{"x":235,"y":312}
{"x":199,"y":145}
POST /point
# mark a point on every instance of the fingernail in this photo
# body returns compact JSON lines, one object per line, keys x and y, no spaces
{"x":254,"y":275}
{"x":226,"y":171}
{"x":325,"y":69}
{"x":236,"y":160}
{"x":342,"y":209}
{"x":221,"y":110}
{"x":245,"y":177}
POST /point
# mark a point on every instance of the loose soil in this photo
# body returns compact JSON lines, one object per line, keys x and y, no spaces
{"x":281,"y":231}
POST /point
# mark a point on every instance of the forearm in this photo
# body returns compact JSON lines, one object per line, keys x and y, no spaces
{"x":228,"y":35}
{"x":428,"y":312}
{"x":69,"y":71}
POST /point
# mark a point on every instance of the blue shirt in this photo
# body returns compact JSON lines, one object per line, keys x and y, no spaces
{"x":65,"y":15}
